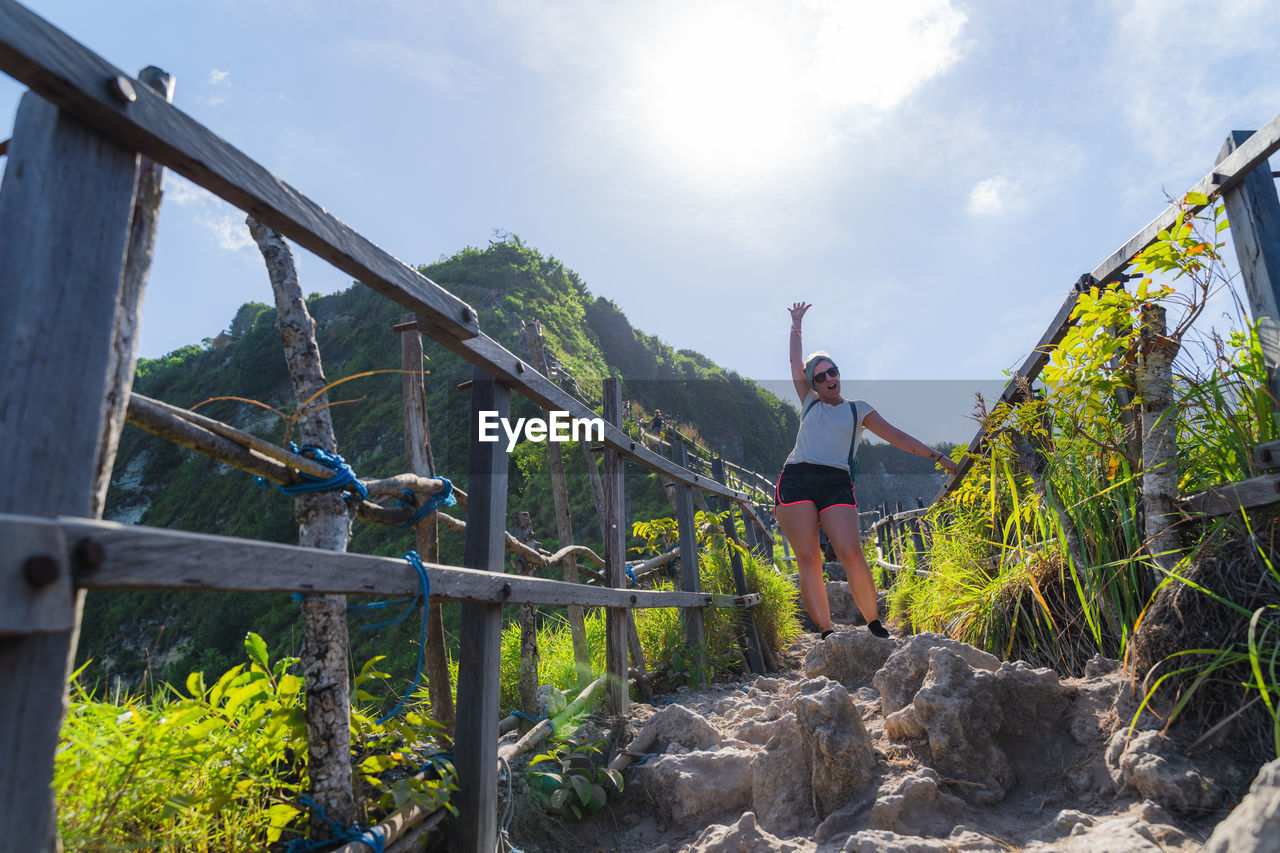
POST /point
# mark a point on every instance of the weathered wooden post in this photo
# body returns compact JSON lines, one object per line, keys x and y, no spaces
{"x":324,"y":521}
{"x":137,"y":267}
{"x":690,"y":579}
{"x":529,"y":656}
{"x":417,"y":448}
{"x":564,"y":524}
{"x":1154,"y":379}
{"x":746,"y":620}
{"x":476,"y":745}
{"x":65,"y":211}
{"x":917,"y":536}
{"x":615,"y":555}
{"x":1254,"y":212}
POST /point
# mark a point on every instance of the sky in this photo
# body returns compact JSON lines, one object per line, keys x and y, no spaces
{"x":932,"y":175}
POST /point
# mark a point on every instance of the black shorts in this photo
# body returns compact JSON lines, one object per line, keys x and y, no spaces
{"x":820,"y":485}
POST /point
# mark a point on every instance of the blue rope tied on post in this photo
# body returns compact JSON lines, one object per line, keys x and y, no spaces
{"x":444,"y":497}
{"x":535,"y":719}
{"x":423,"y":595}
{"x":338,"y":832}
{"x":342,"y":477}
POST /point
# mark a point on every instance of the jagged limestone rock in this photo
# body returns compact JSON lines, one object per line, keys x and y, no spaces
{"x":915,"y":806}
{"x":692,"y":788}
{"x":746,"y":836}
{"x":1140,"y":833}
{"x":960,"y":710}
{"x":1031,"y":699}
{"x":781,"y":790}
{"x":849,"y":657}
{"x":842,"y":758}
{"x":1254,"y":825}
{"x":1151,"y":766}
{"x":678,"y":725}
{"x":883,"y":841}
{"x":903,"y":671}
{"x":903,"y":725}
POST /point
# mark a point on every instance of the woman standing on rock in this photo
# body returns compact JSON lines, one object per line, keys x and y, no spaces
{"x":815,"y":488}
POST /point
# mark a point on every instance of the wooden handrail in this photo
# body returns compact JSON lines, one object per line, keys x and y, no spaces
{"x":66,"y":73}
{"x":80,"y":82}
{"x":137,"y":557}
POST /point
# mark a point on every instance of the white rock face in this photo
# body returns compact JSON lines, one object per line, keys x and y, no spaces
{"x":1254,"y":825}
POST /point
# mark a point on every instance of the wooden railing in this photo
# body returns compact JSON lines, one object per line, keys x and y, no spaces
{"x":65,"y":220}
{"x":1242,"y":180}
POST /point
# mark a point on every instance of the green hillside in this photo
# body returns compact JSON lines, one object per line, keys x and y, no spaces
{"x":171,"y":633}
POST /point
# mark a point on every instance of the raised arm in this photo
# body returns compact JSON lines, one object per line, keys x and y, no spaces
{"x":902,"y":441}
{"x":797,"y":353}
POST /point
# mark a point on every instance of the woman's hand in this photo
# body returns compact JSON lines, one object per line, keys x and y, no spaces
{"x":797,"y":311}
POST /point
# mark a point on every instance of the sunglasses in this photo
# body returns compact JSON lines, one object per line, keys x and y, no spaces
{"x":832,"y":371}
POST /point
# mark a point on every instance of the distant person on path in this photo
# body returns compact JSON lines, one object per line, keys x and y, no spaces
{"x":815,"y":489}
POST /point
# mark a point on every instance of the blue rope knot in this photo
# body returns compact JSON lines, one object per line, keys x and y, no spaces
{"x":338,"y":832}
{"x":343,"y":475}
{"x":536,"y":719}
{"x":423,"y":595}
{"x":444,"y":497}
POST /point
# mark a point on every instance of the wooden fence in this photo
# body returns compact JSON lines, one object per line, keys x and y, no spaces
{"x":1243,"y":181}
{"x":67,"y":213}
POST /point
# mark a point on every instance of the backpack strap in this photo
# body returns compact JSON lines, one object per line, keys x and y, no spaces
{"x":853,"y":443}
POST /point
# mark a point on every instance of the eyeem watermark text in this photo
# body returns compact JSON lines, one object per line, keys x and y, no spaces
{"x":558,"y":427}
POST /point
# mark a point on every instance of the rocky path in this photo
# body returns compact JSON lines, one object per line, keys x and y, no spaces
{"x":913,"y":745}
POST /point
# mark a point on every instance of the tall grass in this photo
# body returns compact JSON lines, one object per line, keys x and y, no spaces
{"x":1001,"y":574}
{"x":661,"y":629}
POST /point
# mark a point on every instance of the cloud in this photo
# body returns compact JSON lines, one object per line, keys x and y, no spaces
{"x":227,"y":227}
{"x":178,"y":190}
{"x":876,"y":54}
{"x":1189,"y":72}
{"x":223,"y":222}
{"x":219,"y":78}
{"x":438,"y":70}
{"x":995,"y":197}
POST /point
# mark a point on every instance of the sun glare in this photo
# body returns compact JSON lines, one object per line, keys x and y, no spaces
{"x":718,"y":97}
{"x":745,"y":94}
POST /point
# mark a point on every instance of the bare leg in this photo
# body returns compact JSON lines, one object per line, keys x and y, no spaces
{"x":799,"y":522}
{"x":842,"y":526}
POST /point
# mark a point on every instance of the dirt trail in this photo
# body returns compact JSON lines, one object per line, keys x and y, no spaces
{"x":909,"y":744}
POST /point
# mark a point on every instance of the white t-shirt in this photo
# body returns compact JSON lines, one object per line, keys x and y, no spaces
{"x":827,"y":432}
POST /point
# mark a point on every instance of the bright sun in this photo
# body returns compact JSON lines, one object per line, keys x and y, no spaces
{"x":745,"y":94}
{"x":719,"y":97}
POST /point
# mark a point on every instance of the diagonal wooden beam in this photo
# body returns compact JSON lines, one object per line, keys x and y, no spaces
{"x":80,"y":82}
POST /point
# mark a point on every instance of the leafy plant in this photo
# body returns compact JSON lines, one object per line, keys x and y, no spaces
{"x":578,"y":781}
{"x":219,"y":767}
{"x":1054,"y":569}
